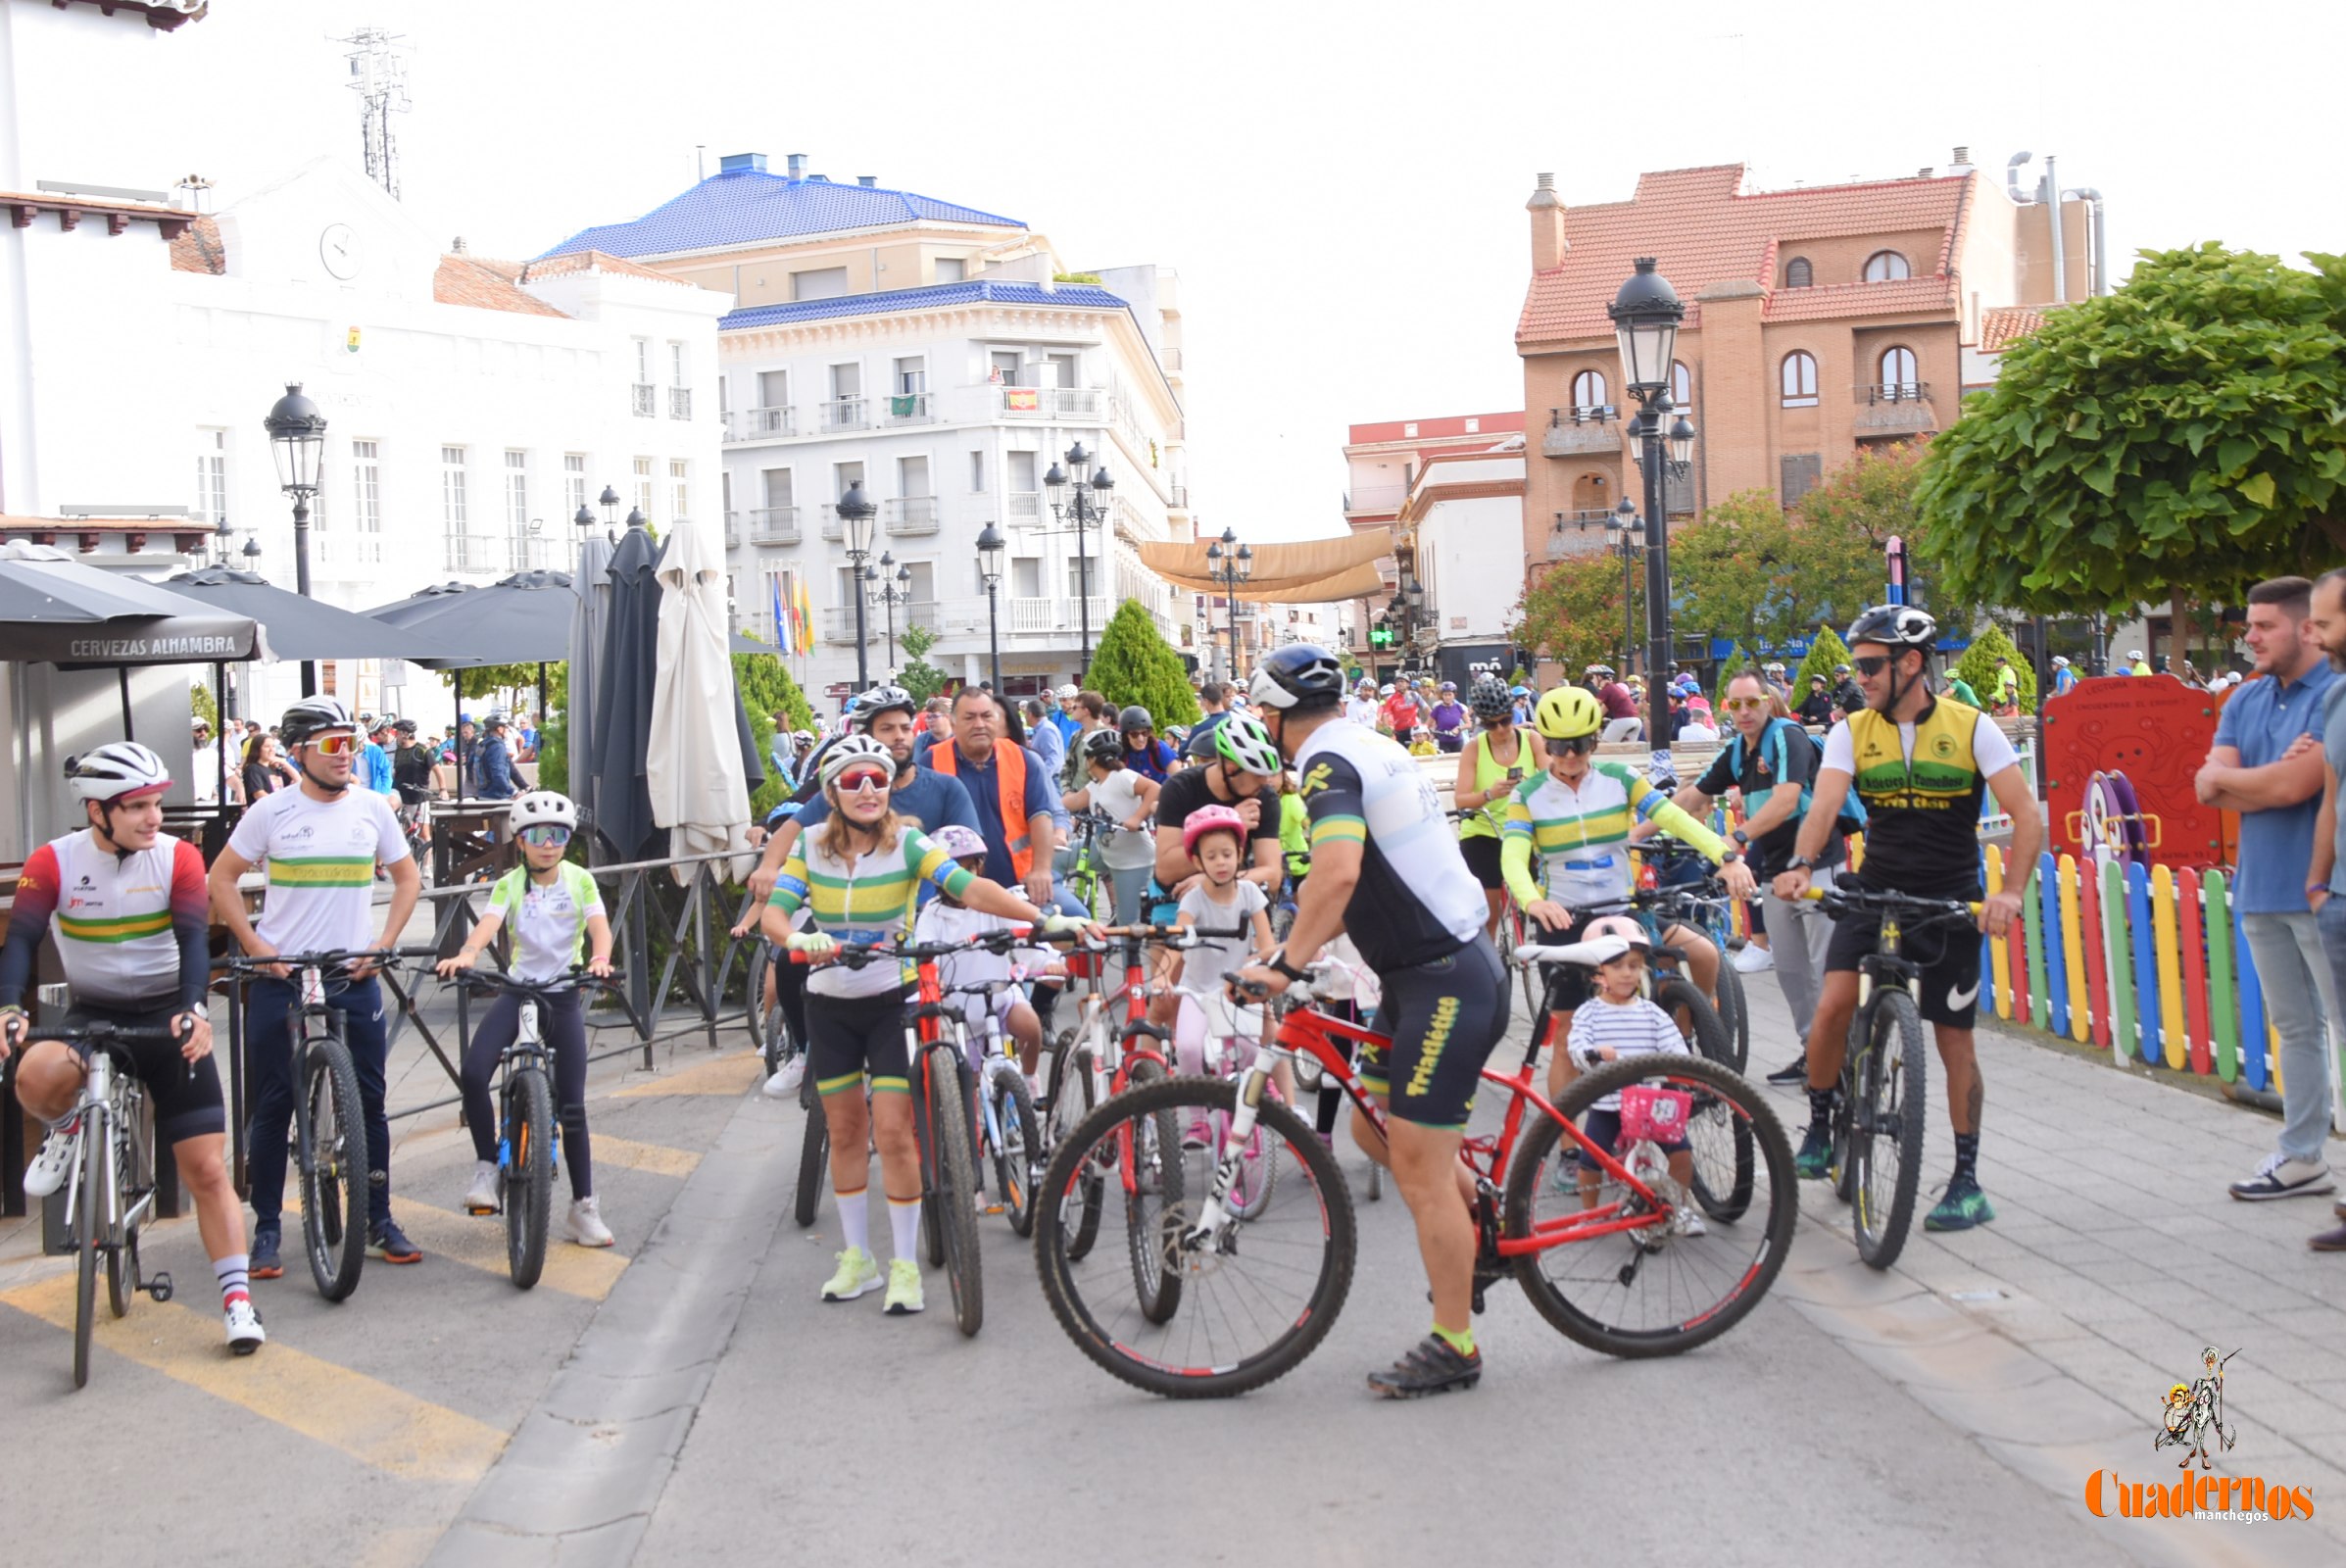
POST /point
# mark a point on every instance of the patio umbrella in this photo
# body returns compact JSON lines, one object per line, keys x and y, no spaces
{"x":588,"y":629}
{"x":56,"y":609}
{"x":624,"y":697}
{"x":693,"y":765}
{"x":522,"y":620}
{"x":305,"y":628}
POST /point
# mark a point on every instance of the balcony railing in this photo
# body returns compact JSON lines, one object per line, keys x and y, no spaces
{"x":1891,"y":408}
{"x":773,"y":526}
{"x":485,"y":551}
{"x":732,"y":530}
{"x":1051,"y":614}
{"x":846,"y":414}
{"x":758,"y":425}
{"x":1376,"y":498}
{"x":1025,"y":505}
{"x":906,"y":514}
{"x":1894,"y":392}
{"x":1580,"y":430}
{"x":1049,"y":402}
{"x":680,"y":403}
{"x":647,"y":400}
{"x":1584,"y":414}
{"x":909,"y":408}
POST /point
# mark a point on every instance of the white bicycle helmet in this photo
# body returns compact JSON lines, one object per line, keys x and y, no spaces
{"x":957,"y":841}
{"x":113,"y":770}
{"x":544,"y":808}
{"x":849,"y":751}
{"x":1246,"y":746}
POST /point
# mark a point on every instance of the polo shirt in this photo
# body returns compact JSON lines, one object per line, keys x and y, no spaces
{"x":985,"y":795}
{"x":2276,"y":846}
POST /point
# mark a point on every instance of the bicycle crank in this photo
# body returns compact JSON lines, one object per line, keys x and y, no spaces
{"x":157,"y":1288}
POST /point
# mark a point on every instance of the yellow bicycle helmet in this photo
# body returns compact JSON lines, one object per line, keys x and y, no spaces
{"x":1568,"y":712}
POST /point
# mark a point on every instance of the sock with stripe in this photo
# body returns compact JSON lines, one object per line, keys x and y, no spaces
{"x":1821,"y":1104}
{"x":1461,"y":1340}
{"x":855,"y":1219}
{"x":1967,"y":1158}
{"x":903,"y":1225}
{"x":235,"y":1284}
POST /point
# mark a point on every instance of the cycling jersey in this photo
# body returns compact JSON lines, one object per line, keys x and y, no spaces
{"x":130,"y":928}
{"x":322,"y":856}
{"x":1922,"y":784}
{"x":1415,"y":900}
{"x":549,"y":922}
{"x":1582,"y":834}
{"x":864,"y":900}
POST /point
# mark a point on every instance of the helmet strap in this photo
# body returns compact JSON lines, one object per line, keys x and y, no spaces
{"x":331,"y":790}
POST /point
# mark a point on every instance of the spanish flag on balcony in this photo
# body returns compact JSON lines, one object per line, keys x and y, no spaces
{"x":1023,"y":399}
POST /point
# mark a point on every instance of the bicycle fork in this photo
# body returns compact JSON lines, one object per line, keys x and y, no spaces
{"x":1215,"y":1213}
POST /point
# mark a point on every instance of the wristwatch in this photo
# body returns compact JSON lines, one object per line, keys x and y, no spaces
{"x":1277,"y":961}
{"x":1741,"y":837}
{"x":1800,"y":862}
{"x":201,"y":1010}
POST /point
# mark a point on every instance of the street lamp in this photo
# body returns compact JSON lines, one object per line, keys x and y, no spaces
{"x":1645,"y":315}
{"x":856,"y":514}
{"x":990,"y":548}
{"x":895,"y":588}
{"x":1234,"y":563}
{"x":297,"y":437}
{"x":1083,"y":511}
{"x":609,"y":501}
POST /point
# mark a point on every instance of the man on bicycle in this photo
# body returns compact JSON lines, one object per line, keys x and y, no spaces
{"x":1920,"y":762}
{"x":322,"y":842}
{"x":1386,"y":871}
{"x":126,"y":903}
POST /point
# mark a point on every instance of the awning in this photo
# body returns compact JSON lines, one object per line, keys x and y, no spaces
{"x":306,"y":628}
{"x":57,"y":609}
{"x":1309,"y":571}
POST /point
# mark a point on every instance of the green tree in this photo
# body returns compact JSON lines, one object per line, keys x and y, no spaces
{"x":515,"y":680}
{"x":1977,"y":666}
{"x":1572,"y":612}
{"x":917,"y":675}
{"x":1848,"y":521}
{"x":2182,"y":433}
{"x":1732,"y":573}
{"x":200,"y":704}
{"x":1728,"y":669}
{"x":1133,"y":666}
{"x":1826,"y":651}
{"x":767,"y":689}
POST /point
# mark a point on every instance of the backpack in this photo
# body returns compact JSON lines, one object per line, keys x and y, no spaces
{"x":1778,"y":737}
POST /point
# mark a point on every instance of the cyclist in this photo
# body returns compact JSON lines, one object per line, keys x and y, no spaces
{"x":861,"y":874}
{"x":1143,"y":752}
{"x":1129,"y":852}
{"x":1448,"y":718}
{"x":1491,"y":765}
{"x":1576,"y":814}
{"x":946,"y":918}
{"x":555,"y":908}
{"x":1244,"y":770}
{"x":125,"y":904}
{"x":1919,"y":763}
{"x":321,"y":842}
{"x":1385,"y":871}
{"x":1216,"y":837}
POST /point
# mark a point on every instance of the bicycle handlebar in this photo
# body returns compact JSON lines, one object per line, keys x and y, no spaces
{"x":324,"y":959}
{"x":1888,"y":901}
{"x":577,"y":978}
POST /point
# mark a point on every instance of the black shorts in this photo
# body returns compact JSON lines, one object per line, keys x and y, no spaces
{"x":1949,"y":956}
{"x":1445,"y":1017}
{"x":1603,"y":1128}
{"x":1482,"y":851}
{"x":185,"y":1095}
{"x":850,"y":1037}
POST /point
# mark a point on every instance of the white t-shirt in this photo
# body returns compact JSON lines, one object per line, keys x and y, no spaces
{"x":1119,"y":796}
{"x":1361,"y":710}
{"x":1204,"y":966}
{"x":1992,"y":750}
{"x":940,"y":922}
{"x":1634,"y":1028}
{"x":321,"y":856}
{"x":548,"y":923}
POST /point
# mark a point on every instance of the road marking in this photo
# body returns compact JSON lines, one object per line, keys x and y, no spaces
{"x":723,"y":1075}
{"x":657,"y":1158}
{"x":478,"y":1241}
{"x":367,"y":1419}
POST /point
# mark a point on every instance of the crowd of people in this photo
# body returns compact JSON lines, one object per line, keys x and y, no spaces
{"x":396,"y":757}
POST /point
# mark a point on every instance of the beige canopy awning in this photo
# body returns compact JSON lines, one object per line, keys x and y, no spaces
{"x":1309,"y":571}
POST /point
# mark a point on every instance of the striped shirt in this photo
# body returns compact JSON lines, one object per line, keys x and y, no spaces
{"x":870,"y":899}
{"x":130,"y":928}
{"x":321,"y":857}
{"x":1582,"y":835}
{"x":1634,"y":1028}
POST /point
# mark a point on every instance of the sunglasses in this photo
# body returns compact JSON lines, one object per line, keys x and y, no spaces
{"x":546,"y":836}
{"x":1737,"y":705}
{"x":1872,"y":663}
{"x":864,"y":781}
{"x":1575,"y":746}
{"x":341,"y":743}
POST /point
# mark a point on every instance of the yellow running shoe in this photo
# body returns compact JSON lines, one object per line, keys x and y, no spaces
{"x":859,"y":1275}
{"x":903,"y":1288}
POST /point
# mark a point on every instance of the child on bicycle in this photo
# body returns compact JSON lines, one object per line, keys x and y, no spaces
{"x":556,"y":911}
{"x":1216,"y":837}
{"x":946,"y":918}
{"x":1616,"y":1021}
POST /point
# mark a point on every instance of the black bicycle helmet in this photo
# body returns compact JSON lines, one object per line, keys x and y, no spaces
{"x":1490,"y":699}
{"x":1136,"y":717}
{"x":1297,"y":676}
{"x":1894,"y":627}
{"x":311,"y":715}
{"x":879,"y":700}
{"x":1104,"y":746}
{"x":1199,"y":747}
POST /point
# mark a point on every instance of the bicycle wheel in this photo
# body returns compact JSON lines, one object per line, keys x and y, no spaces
{"x":1697,"y":1021}
{"x":752,"y":1006}
{"x":89,"y":1209}
{"x":1515,"y":931}
{"x":127,"y":1168}
{"x":1734,"y":1016}
{"x":814,"y":1154}
{"x":1885,"y":1148}
{"x":1257,"y":1294}
{"x":1072,"y":1102}
{"x":1016,"y":1157}
{"x":1152,"y":1175}
{"x":529,"y":1178}
{"x":330,"y":1134}
{"x":1674,"y":1281}
{"x":954,"y":1194}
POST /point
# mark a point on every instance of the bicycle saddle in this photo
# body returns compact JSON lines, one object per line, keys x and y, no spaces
{"x":1584,"y":954}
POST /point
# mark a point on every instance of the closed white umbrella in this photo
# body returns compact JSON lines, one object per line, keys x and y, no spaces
{"x":692,"y":766}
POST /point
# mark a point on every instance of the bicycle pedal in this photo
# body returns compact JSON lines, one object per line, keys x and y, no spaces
{"x":470,"y":1208}
{"x":157,"y":1288}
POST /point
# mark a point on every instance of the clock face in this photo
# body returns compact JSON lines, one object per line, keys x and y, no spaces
{"x":339,"y":248}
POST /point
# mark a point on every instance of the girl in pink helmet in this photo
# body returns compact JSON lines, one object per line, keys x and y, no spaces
{"x":1215,"y":838}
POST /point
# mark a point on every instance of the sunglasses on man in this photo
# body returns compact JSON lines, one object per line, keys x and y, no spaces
{"x":1872,"y":663}
{"x":334,"y":743}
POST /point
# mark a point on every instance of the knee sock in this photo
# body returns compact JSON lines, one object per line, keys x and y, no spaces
{"x":904,"y":1226}
{"x":1331,"y":1101}
{"x":855,"y":1219}
{"x":1821,"y":1104}
{"x":1045,"y":1002}
{"x":235,"y":1284}
{"x":1967,"y":1156}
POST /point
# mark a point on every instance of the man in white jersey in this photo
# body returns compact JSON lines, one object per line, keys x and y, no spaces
{"x":321,"y":842}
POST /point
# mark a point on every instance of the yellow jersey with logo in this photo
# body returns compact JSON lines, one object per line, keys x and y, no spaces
{"x":1922,"y":805}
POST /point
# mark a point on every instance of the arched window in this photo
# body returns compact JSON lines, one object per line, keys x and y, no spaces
{"x":1899,"y":378}
{"x":1886,"y":267}
{"x":1799,"y":379}
{"x":1681,"y":386}
{"x":1587,"y":392}
{"x":1797,"y":273}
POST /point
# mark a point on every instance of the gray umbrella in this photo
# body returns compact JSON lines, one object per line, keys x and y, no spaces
{"x":55,"y":607}
{"x":305,"y":628}
{"x":522,"y":620}
{"x":589,"y":626}
{"x":624,"y":697}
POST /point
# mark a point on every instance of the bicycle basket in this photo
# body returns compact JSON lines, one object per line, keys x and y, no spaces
{"x":1654,"y":1116}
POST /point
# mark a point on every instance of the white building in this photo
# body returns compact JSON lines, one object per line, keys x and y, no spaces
{"x":942,"y":356}
{"x":1458,"y":526}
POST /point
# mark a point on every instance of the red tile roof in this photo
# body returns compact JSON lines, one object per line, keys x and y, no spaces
{"x":2001,"y":326}
{"x":1706,"y":228}
{"x":487,"y":286}
{"x":197,"y":249}
{"x":593,"y":261}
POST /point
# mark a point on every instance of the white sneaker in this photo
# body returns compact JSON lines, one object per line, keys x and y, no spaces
{"x":1752,"y":958}
{"x":2278,"y":1176}
{"x":47,"y":1173}
{"x":586,"y":1224}
{"x":481,"y":1196}
{"x":243,"y":1322}
{"x":786,"y":1080}
{"x":1693,"y":1220}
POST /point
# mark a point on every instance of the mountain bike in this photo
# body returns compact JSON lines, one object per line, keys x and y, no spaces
{"x":767,"y":1021}
{"x":1878,"y":1127}
{"x":1084,"y":873}
{"x":528,"y":1133}
{"x":1700,"y":905}
{"x":1625,"y":1270}
{"x":1010,"y":1135}
{"x":110,"y":1190}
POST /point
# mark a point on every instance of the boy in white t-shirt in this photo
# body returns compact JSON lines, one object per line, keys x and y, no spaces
{"x":946,"y":918}
{"x":1618,"y":1021}
{"x":555,"y":910}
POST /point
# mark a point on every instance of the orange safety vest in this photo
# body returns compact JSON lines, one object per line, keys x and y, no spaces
{"x":1009,"y":782}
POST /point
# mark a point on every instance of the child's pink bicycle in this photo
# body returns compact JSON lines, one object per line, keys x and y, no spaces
{"x":1217,"y":1045}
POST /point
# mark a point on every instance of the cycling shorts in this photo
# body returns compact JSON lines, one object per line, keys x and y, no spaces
{"x":1948,"y":956}
{"x":852,"y":1038}
{"x":1482,"y":851}
{"x":186,"y":1096}
{"x":1445,"y":1019}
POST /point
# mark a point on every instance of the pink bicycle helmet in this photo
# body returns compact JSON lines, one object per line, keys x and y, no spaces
{"x":1617,"y":926}
{"x":1211,"y":819}
{"x":957,"y":841}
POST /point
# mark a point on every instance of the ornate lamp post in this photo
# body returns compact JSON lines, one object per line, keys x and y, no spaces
{"x":1234,"y":563}
{"x":1645,"y":316}
{"x":856,"y":514}
{"x":990,"y":548}
{"x":297,"y":438}
{"x":1071,"y":505}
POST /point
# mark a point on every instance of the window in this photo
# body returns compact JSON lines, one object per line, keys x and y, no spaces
{"x":1062,"y":370}
{"x":951,"y":268}
{"x":1801,"y":471}
{"x":680,"y":487}
{"x":677,"y":366}
{"x":773,"y":389}
{"x":847,"y":381}
{"x":452,"y":488}
{"x":1474,"y":427}
{"x":211,"y":475}
{"x":1886,"y":267}
{"x":1800,"y":380}
{"x":1588,"y":390}
{"x":574,"y":485}
{"x":1681,"y":386}
{"x":367,"y":486}
{"x":516,"y":492}
{"x":642,"y":487}
{"x":912,"y":376}
{"x":1003,"y":367}
{"x":821,"y":283}
{"x":843,"y":475}
{"x":912,"y":476}
{"x":1026,"y":578}
{"x":778,"y":487}
{"x":977,"y":473}
{"x":1898,"y":370}
{"x":643,"y":361}
{"x":1408,"y":432}
{"x":1797,"y":273}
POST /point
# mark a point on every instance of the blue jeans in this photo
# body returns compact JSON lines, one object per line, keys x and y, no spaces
{"x":268,"y":1055}
{"x":2291,"y":972}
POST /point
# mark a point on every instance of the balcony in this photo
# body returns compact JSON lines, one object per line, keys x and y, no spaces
{"x":773,"y":526}
{"x":647,"y":400}
{"x":1051,"y":614}
{"x":910,"y":515}
{"x":732,"y":530}
{"x":909,"y":408}
{"x":1582,"y":429}
{"x":839,"y":621}
{"x":846,"y":414}
{"x":1049,"y":402}
{"x":1025,"y":506}
{"x":1889,"y":410}
{"x":1376,"y":499}
{"x":1177,"y":497}
{"x":680,"y":403}
{"x":485,"y":553}
{"x":760,"y":424}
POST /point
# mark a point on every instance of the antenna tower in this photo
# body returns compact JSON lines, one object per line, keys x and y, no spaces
{"x":380,"y":80}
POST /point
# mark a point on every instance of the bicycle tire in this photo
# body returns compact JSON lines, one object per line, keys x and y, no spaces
{"x":1851,"y":1056}
{"x":752,"y":1005}
{"x":814,"y":1154}
{"x":1095,"y":1319}
{"x":121,"y":1258}
{"x":85,"y":1240}
{"x":954,"y":1194}
{"x":1888,"y":1114}
{"x":1696,"y":1020}
{"x":1696,"y":1321}
{"x":529,"y":1135}
{"x":1071,"y":1107}
{"x":1154,"y":1171}
{"x":1734,"y":1016}
{"x":781,"y":1046}
{"x":1016,"y":1160}
{"x":331,"y":1130}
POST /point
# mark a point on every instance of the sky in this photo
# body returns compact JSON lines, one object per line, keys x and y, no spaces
{"x":1339,"y":187}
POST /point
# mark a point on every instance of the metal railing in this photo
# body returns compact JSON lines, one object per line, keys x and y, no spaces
{"x":910,"y":515}
{"x":477,"y":552}
{"x":773,"y":526}
{"x":1051,"y":614}
{"x":1049,"y":402}
{"x":834,"y":526}
{"x":1894,"y":392}
{"x":758,"y":424}
{"x":909,"y":408}
{"x":1584,"y":414}
{"x":1025,"y":504}
{"x":680,"y":403}
{"x":732,"y":530}
{"x":846,"y":414}
{"x":647,"y":400}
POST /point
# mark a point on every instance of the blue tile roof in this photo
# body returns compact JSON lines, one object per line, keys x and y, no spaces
{"x":974,"y":292}
{"x":741,"y":206}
